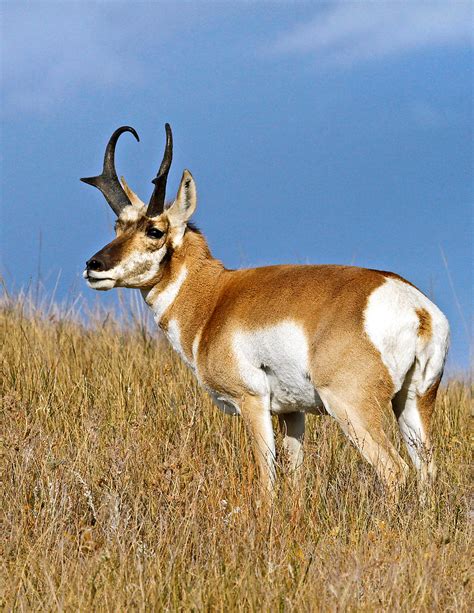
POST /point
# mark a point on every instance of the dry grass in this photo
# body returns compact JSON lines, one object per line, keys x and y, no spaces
{"x":123,"y":489}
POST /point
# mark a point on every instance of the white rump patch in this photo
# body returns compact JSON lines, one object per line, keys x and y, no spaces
{"x":275,"y":361}
{"x":391,"y":323}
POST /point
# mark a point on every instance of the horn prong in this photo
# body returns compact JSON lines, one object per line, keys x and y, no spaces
{"x":108,"y":182}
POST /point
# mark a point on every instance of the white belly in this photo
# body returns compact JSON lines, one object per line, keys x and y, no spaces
{"x":292,"y":394}
{"x":273,"y":362}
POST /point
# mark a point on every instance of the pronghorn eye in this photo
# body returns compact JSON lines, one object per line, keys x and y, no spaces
{"x":154,"y":233}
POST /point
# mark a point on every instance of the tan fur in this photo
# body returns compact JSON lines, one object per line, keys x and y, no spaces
{"x":132,"y":196}
{"x":426,"y":404}
{"x":214,"y":302}
{"x":292,"y":426}
{"x":425,"y":328}
{"x":199,"y":295}
{"x":202,"y":307}
{"x":255,"y":414}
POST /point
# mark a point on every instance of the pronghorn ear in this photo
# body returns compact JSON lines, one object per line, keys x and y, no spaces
{"x":185,"y":204}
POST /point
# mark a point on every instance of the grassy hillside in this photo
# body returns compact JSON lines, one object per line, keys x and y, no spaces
{"x":123,"y":488}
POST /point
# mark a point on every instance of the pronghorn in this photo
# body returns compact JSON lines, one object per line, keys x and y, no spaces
{"x":283,"y":340}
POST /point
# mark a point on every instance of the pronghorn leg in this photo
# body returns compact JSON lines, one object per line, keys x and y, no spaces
{"x":414,"y":413}
{"x":292,"y":427}
{"x":257,"y":416}
{"x":362,"y":424}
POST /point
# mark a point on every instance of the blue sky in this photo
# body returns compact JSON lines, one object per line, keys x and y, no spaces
{"x":317,"y":132}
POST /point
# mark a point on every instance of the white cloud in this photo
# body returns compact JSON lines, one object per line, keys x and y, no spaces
{"x":345,"y":34}
{"x":51,"y":51}
{"x":58,"y":50}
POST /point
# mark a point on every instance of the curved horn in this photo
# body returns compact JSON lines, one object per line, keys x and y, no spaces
{"x":108,"y":182}
{"x":157,"y":200}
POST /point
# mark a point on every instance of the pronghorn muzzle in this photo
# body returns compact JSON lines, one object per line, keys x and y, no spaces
{"x":100,"y":271}
{"x":108,"y":257}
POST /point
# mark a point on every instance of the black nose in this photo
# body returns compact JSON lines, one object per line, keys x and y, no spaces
{"x":94,"y":264}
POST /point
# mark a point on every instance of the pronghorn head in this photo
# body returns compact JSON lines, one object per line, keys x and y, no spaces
{"x":146,"y":236}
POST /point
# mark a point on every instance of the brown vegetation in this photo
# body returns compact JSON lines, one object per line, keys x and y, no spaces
{"x":123,"y":488}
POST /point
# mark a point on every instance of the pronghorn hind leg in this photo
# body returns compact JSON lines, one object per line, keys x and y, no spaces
{"x":292,"y":426}
{"x":256,"y":414}
{"x":362,"y":424}
{"x":414,"y":413}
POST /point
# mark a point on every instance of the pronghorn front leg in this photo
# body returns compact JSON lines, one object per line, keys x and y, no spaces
{"x":257,"y":416}
{"x":292,"y":427}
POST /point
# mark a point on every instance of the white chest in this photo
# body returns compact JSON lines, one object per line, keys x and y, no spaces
{"x":173,"y":334}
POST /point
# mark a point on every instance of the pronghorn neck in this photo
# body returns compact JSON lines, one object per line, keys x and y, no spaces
{"x":184,"y":296}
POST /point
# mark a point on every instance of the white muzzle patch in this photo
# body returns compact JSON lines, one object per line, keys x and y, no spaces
{"x":98,"y":280}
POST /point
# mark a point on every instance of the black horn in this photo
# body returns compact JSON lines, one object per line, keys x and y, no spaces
{"x":157,"y":200}
{"x":108,"y":182}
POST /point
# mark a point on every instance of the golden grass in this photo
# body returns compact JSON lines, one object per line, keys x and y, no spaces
{"x":123,"y":489}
